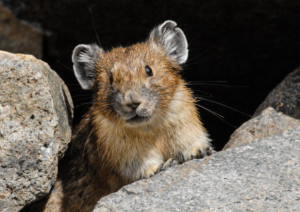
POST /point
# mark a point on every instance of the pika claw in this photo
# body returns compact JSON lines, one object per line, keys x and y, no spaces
{"x":200,"y":154}
{"x":209,"y":151}
{"x":169,"y":163}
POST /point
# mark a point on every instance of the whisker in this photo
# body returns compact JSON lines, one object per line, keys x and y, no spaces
{"x":203,"y":92}
{"x":220,"y":117}
{"x":72,"y":84}
{"x":198,"y":91}
{"x":196,"y":62}
{"x":65,"y":66}
{"x":85,"y":95}
{"x":212,"y":101}
{"x":215,"y":81}
{"x":80,"y":105}
{"x":165,"y":74}
{"x":213,"y":84}
{"x":204,"y":51}
{"x":165,"y":88}
{"x":211,"y":111}
{"x":82,"y":97}
{"x":226,"y":106}
{"x":94,"y":28}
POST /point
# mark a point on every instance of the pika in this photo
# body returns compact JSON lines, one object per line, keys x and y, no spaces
{"x":142,"y":118}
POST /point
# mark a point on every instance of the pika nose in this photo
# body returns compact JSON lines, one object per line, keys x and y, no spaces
{"x":132,"y":100}
{"x":133,"y":105}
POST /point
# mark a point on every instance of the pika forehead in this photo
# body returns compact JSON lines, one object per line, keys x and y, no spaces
{"x":132,"y":58}
{"x":132,"y":66}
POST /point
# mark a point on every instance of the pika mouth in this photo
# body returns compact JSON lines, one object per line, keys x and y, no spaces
{"x":137,"y":119}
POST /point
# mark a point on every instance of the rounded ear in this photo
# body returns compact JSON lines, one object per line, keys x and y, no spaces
{"x":172,"y":39}
{"x":84,"y":60}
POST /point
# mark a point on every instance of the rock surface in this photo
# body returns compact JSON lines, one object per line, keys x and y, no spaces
{"x":267,"y":124}
{"x":35,"y":116}
{"x":285,"y":97}
{"x":263,"y":175}
{"x":19,"y":36}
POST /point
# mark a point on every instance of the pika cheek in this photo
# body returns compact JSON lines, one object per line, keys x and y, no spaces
{"x":150,"y":82}
{"x":147,"y":84}
{"x":143,"y":112}
{"x":147,"y":108}
{"x":117,"y":102}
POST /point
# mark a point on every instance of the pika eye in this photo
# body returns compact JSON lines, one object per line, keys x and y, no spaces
{"x":148,"y":71}
{"x":111,"y":78}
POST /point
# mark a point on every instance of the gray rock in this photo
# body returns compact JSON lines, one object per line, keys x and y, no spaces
{"x":267,"y":124}
{"x":261,"y":176}
{"x":19,"y":36}
{"x":285,"y":97}
{"x":35,"y":114}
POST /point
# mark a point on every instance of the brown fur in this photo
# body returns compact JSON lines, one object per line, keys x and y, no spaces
{"x":104,"y":146}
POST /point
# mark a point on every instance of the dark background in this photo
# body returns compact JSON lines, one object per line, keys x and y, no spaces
{"x":239,"y":50}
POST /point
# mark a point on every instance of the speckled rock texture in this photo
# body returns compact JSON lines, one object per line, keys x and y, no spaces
{"x":267,"y":124}
{"x":35,"y":116}
{"x":285,"y":97}
{"x":263,"y":175}
{"x":19,"y":36}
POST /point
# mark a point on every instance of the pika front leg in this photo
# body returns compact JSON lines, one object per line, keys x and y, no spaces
{"x":169,"y":163}
{"x":163,"y":166}
{"x":150,"y":171}
{"x":144,"y":166}
{"x":197,"y":153}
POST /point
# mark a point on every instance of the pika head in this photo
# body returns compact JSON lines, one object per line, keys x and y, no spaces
{"x":135,"y":84}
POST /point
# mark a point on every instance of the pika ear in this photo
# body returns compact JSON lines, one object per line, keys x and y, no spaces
{"x":172,"y":39}
{"x":84,"y":60}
